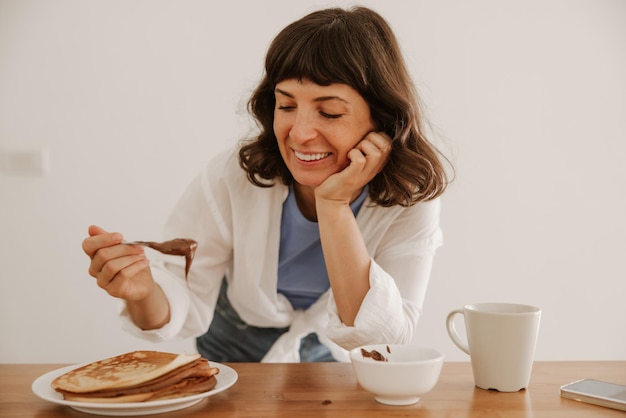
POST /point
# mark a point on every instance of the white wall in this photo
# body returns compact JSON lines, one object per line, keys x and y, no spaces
{"x":130,"y":98}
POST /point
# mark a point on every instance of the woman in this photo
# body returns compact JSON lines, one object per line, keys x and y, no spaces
{"x":317,"y":235}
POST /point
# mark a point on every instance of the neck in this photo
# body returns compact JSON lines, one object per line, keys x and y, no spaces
{"x":305,"y":198}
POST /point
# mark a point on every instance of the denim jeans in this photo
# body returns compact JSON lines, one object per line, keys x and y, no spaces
{"x":229,"y":339}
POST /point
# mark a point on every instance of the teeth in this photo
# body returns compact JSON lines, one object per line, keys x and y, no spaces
{"x":311,"y":157}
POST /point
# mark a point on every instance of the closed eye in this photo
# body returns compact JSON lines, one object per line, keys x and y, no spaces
{"x":331,"y":116}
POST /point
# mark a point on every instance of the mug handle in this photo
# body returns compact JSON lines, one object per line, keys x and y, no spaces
{"x":452,"y":330}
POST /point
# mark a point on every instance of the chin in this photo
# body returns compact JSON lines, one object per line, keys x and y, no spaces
{"x":308,"y":181}
{"x":311,"y":178}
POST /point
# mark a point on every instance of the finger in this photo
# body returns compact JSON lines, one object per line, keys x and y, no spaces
{"x":124,"y":284}
{"x":356,"y":157}
{"x":115,"y":268}
{"x":381,"y":140}
{"x":375,"y":156}
{"x":95,"y":230}
{"x":368,"y":148}
{"x":99,"y":239}
{"x":104,"y":255}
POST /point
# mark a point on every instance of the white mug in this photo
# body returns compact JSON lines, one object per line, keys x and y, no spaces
{"x":501,"y":340}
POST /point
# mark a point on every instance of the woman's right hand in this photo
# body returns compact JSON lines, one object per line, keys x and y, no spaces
{"x":122,"y":270}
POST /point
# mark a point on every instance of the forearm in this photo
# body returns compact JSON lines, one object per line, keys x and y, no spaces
{"x":152,"y":312}
{"x":346,"y":257}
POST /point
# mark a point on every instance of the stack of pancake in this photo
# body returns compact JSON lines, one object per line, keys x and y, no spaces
{"x":138,"y":376}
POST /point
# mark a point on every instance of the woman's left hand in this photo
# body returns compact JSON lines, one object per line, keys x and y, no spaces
{"x":367,"y":159}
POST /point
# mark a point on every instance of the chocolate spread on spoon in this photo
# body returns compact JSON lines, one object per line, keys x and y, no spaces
{"x":177,"y":246}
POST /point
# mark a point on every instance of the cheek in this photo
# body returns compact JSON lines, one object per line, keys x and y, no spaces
{"x":281,"y":128}
{"x":347,"y":141}
{"x":281,"y":133}
{"x":276,"y":125}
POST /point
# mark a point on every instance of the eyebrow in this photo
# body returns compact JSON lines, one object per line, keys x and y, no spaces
{"x":317,"y":99}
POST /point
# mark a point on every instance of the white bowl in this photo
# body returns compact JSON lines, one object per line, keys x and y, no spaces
{"x":408,"y":372}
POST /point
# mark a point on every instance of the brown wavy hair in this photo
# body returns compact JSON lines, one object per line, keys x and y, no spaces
{"x":355,"y":47}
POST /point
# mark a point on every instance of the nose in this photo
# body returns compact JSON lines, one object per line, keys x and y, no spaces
{"x":303,"y":128}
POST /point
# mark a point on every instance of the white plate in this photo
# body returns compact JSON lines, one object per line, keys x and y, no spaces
{"x":41,"y":387}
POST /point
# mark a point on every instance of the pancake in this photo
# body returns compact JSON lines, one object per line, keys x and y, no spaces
{"x":137,"y":377}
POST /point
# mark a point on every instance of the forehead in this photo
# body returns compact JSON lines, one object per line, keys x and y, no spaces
{"x":307,"y":89}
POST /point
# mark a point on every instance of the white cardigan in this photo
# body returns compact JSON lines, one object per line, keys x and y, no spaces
{"x":237,"y":226}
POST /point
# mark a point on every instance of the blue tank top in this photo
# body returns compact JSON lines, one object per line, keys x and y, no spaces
{"x":302,"y":275}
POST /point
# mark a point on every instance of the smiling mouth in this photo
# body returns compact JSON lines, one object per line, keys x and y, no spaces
{"x":311,"y":157}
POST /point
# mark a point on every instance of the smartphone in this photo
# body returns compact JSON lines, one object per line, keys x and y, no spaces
{"x":596,"y":392}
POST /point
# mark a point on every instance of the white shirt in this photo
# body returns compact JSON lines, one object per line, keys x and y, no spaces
{"x":237,"y":227}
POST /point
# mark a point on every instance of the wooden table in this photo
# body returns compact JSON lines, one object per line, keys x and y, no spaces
{"x":331,"y":390}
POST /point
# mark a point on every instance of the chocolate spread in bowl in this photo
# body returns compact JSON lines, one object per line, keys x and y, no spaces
{"x":374,"y":354}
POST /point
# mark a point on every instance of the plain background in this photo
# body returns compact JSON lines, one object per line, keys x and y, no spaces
{"x":129,"y":99}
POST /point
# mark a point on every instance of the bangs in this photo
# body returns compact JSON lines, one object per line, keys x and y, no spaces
{"x":324,"y":54}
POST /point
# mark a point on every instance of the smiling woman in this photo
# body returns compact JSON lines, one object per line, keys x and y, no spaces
{"x":341,"y":184}
{"x":356,"y":50}
{"x":528,"y":98}
{"x":315,"y":128}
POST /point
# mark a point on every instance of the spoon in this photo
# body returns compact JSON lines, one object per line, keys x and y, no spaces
{"x":177,"y":246}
